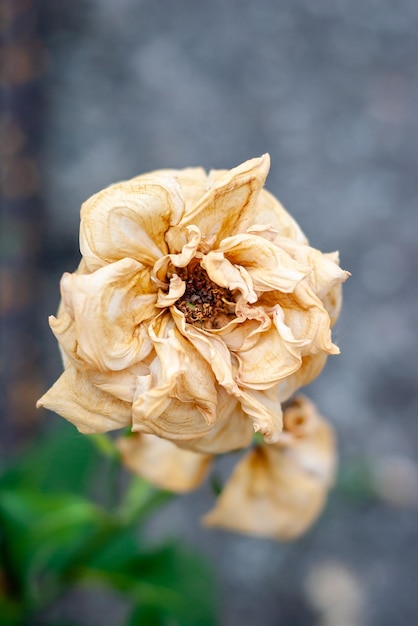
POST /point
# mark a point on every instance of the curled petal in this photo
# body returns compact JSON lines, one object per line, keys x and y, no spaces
{"x":269,"y":266}
{"x":123,"y":384}
{"x":196,"y":384}
{"x":284,"y":331}
{"x":242,"y":334}
{"x":233,"y":429}
{"x":312,"y":442}
{"x":92,"y":410}
{"x":310,"y":368}
{"x":162,"y":463}
{"x":325,"y":273}
{"x":107,"y":312}
{"x":270,"y":360}
{"x":182,"y":400}
{"x":308,"y":319}
{"x":153,"y":397}
{"x":193,"y":182}
{"x":183,"y":258}
{"x":278,"y":491}
{"x":271,"y":214}
{"x":212,"y":349}
{"x":225,"y":274}
{"x":263,"y":407}
{"x":130,"y":219}
{"x":229,"y":204}
{"x":180,"y":422}
{"x":175,"y":291}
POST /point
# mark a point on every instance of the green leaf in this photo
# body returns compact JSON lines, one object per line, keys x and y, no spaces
{"x":140,"y":500}
{"x":43,"y":535}
{"x":62,"y":463}
{"x":10,"y":613}
{"x":147,"y":616}
{"x":168,"y":580}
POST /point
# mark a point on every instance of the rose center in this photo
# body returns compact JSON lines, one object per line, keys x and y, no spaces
{"x":203,"y":302}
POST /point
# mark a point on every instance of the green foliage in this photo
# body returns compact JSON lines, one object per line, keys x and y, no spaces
{"x":57,"y":529}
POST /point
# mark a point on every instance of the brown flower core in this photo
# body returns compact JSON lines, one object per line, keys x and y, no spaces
{"x":204,"y":302}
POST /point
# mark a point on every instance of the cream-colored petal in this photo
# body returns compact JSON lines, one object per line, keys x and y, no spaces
{"x":123,"y":384}
{"x":193,"y":182}
{"x":225,"y":274}
{"x":311,"y":366}
{"x":269,"y":266}
{"x":130,"y":219}
{"x":270,"y":213}
{"x":229,"y":204}
{"x":308,"y":319}
{"x":174,"y":420}
{"x":211,"y":348}
{"x":278,"y":491}
{"x":154,"y":397}
{"x":162,"y":463}
{"x":189,"y":245}
{"x":285,"y":331}
{"x":107,"y":308}
{"x":270,"y":360}
{"x":89,"y":408}
{"x":242,"y":332}
{"x":268,"y":497}
{"x":176,"y":289}
{"x":312,"y":442}
{"x":325,"y":273}
{"x":233,"y":432}
{"x":196,"y":384}
{"x":264,"y":409}
{"x":182,"y":400}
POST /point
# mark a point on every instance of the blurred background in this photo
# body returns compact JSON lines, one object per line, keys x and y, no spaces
{"x":96,"y":91}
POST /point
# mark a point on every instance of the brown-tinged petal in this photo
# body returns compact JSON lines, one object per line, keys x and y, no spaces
{"x":153,"y":397}
{"x":173,"y":420}
{"x":232,"y":430}
{"x":196,"y":384}
{"x":312,"y":442}
{"x":269,"y":266}
{"x":225,"y":274}
{"x":130,"y":219}
{"x":264,"y":409}
{"x":308,"y":319}
{"x":211,"y":348}
{"x":270,"y":213}
{"x":325,"y":270}
{"x":229,"y":204}
{"x":89,"y":408}
{"x":193,"y":182}
{"x":183,"y":258}
{"x":162,"y":463}
{"x":176,"y":289}
{"x":332,"y":299}
{"x":107,"y":307}
{"x":311,"y":366}
{"x":270,"y":360}
{"x":242,"y":332}
{"x":277,"y":491}
{"x":123,"y":384}
{"x":267,"y":496}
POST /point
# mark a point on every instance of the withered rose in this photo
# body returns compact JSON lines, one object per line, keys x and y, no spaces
{"x":197,"y":309}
